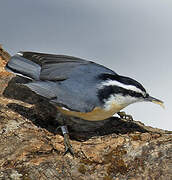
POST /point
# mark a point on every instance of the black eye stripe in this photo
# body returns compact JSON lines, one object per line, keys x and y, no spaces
{"x":107,"y":91}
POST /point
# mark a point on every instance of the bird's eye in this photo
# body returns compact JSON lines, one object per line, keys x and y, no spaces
{"x":146,"y":95}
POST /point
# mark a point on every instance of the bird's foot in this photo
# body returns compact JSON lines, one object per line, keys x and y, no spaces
{"x":125,"y":116}
{"x":68,"y":147}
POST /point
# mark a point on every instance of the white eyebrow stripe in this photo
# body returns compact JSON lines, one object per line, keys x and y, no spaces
{"x":116,"y":83}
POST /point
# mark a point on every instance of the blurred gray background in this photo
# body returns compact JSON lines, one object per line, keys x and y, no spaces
{"x":132,"y":37}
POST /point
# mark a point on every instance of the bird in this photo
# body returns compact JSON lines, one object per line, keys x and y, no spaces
{"x":78,"y":87}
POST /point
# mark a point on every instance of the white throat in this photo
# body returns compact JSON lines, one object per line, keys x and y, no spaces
{"x":119,"y":100}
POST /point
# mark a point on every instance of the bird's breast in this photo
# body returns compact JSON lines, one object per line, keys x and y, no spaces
{"x":97,"y":114}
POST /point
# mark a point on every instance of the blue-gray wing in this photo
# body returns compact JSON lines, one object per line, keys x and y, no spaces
{"x":54,"y":67}
{"x":68,"y":81}
{"x":59,"y":67}
{"x":61,"y":96}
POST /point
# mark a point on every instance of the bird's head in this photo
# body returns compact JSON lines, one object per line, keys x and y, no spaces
{"x":122,"y":91}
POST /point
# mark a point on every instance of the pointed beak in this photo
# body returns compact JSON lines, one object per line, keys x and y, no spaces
{"x":156,"y":101}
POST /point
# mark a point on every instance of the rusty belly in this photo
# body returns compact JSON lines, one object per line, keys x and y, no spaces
{"x":95,"y":115}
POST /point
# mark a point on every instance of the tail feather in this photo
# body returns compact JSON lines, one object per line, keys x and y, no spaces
{"x":23,"y":67}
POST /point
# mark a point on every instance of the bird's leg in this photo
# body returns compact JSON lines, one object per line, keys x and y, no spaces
{"x":125,"y":116}
{"x":65,"y":132}
{"x":68,"y":147}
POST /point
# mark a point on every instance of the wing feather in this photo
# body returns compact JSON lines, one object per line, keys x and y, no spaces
{"x":54,"y":67}
{"x":67,"y":81}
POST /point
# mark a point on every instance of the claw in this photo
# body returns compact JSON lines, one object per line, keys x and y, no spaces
{"x":68,"y":147}
{"x":125,"y":116}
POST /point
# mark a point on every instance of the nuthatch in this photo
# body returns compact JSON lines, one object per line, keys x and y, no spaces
{"x":78,"y":87}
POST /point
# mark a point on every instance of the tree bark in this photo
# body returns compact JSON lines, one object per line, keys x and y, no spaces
{"x":31,"y":149}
